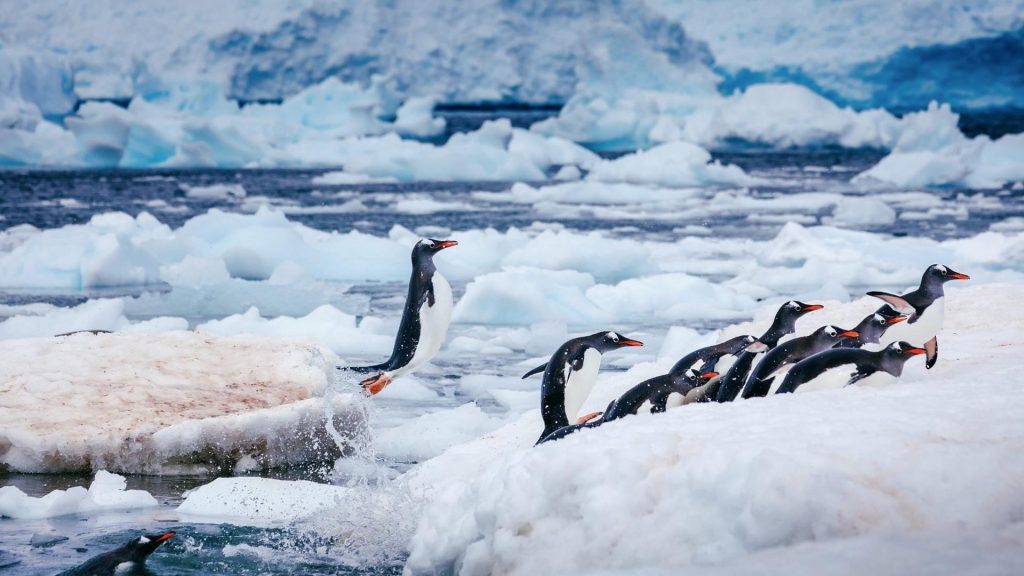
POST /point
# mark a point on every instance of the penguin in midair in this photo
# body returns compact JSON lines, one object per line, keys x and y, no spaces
{"x":872,"y":327}
{"x":789,"y":352}
{"x":424,"y":325}
{"x":866,"y":363}
{"x":635,"y":401}
{"x":124,"y":560}
{"x":926,"y":308}
{"x":570,"y":376}
{"x":708,"y":356}
{"x":729,"y":385}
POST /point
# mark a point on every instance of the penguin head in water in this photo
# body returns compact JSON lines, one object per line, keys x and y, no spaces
{"x":140,"y":548}
{"x":608,"y":341}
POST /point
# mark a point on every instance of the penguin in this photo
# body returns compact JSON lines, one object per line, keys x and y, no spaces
{"x":871,"y":328}
{"x":709,"y":356}
{"x":789,"y":352}
{"x":634,"y":401}
{"x":424,"y":325}
{"x":889,"y":360}
{"x":784,"y":323}
{"x":570,"y":376}
{"x":124,"y":560}
{"x":926,"y":308}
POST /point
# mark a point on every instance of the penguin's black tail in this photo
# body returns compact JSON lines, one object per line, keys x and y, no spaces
{"x":536,"y":370}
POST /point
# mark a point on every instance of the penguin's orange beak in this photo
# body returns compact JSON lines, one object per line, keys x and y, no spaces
{"x":811,"y":308}
{"x":446,"y":244}
{"x":708,"y":375}
{"x":849,"y":334}
{"x":896,"y":319}
{"x":959,"y":276}
{"x":915,"y":351}
{"x":165,"y":536}
{"x":630,"y":342}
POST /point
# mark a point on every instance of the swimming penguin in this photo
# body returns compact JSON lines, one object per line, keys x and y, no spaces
{"x":888,"y":360}
{"x":785,"y":323}
{"x":428,"y":310}
{"x":926,"y":309}
{"x":124,"y":560}
{"x":709,"y":356}
{"x":789,"y":352}
{"x":635,"y":401}
{"x":872,"y":327}
{"x":570,"y":376}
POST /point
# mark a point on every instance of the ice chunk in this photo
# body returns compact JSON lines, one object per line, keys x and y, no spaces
{"x":214,"y":191}
{"x":258,"y":501}
{"x":106,"y":492}
{"x":166,"y":403}
{"x":675,"y":164}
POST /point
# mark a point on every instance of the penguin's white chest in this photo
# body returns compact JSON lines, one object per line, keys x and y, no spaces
{"x":579,"y":383}
{"x":830,"y":379}
{"x":920,"y":331}
{"x":434,"y":322}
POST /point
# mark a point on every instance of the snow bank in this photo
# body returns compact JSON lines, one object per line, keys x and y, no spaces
{"x":933,"y":152}
{"x":106,"y":492}
{"x":428,"y":435}
{"x":855,"y":469}
{"x":257,"y":501}
{"x":168,"y":403}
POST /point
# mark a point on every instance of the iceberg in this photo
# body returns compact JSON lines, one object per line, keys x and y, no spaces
{"x":106,"y":492}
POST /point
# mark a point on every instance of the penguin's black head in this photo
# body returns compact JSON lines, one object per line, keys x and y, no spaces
{"x":700,"y":378}
{"x":790,"y":311}
{"x":140,"y":548}
{"x":608,"y":341}
{"x":904,"y":349}
{"x":835,"y":333}
{"x":943,"y":273}
{"x":431,"y":246}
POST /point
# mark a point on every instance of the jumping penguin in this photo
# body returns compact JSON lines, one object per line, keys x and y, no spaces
{"x":124,"y":560}
{"x":926,"y":309}
{"x":424,"y":325}
{"x":889,"y":360}
{"x":570,"y":376}
{"x":789,"y":352}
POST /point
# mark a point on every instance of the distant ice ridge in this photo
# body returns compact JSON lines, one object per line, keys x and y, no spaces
{"x":823,"y":468}
{"x":106,"y":492}
{"x":169,"y":403}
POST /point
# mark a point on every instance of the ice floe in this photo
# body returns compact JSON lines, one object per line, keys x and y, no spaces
{"x":168,"y":403}
{"x":106,"y":492}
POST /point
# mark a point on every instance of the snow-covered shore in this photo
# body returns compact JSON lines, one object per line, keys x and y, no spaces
{"x":176,"y":402}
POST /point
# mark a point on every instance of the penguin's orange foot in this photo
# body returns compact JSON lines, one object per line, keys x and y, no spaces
{"x":588,"y":417}
{"x":374,"y":384}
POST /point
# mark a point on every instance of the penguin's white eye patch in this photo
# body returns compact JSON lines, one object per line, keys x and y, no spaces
{"x":612,"y":336}
{"x":896,"y":346}
{"x":830,"y":331}
{"x":143,"y":540}
{"x":879,"y":319}
{"x":793,"y":304}
{"x":942,"y":269}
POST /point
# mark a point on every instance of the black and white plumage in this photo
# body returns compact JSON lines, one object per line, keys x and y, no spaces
{"x":866,"y":364}
{"x":127,"y":559}
{"x":708,"y":357}
{"x":926,"y":308}
{"x":789,"y":352}
{"x":729,"y":385}
{"x":570,"y":376}
{"x":635,"y":401}
{"x":871,"y":329}
{"x":425,"y":319}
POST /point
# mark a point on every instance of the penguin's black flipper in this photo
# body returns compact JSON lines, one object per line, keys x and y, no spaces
{"x":897,"y":302}
{"x":931,"y":350}
{"x":858,"y":375}
{"x":536,"y":370}
{"x":365,"y":369}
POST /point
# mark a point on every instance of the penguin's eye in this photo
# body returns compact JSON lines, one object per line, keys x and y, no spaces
{"x":830,"y":331}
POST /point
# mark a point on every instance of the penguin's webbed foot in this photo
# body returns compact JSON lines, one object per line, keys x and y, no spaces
{"x":588,"y":417}
{"x":374,"y":384}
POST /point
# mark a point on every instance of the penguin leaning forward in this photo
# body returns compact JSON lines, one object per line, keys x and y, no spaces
{"x":570,"y":375}
{"x":127,"y":559}
{"x":425,"y":319}
{"x":866,"y":364}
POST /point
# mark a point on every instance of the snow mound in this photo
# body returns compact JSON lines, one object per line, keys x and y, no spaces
{"x":167,"y":403}
{"x":709,"y":484}
{"x":106,"y":492}
{"x":675,"y":164}
{"x":257,"y":501}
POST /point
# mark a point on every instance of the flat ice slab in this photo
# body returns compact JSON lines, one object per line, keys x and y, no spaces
{"x":169,"y":403}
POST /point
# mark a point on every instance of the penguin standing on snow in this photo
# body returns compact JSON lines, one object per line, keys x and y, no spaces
{"x":124,"y":560}
{"x":789,"y":352}
{"x":926,"y":309}
{"x":889,"y":360}
{"x":570,"y":376}
{"x":784,"y":323}
{"x":636,"y":400}
{"x":428,"y":310}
